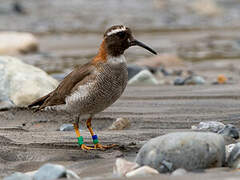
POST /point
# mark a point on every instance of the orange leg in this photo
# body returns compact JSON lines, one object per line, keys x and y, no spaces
{"x":97,"y":145}
{"x":80,"y":138}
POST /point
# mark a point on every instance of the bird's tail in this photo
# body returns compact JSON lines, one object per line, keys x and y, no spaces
{"x":39,"y":101}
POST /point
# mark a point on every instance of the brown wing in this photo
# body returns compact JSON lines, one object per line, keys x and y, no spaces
{"x":57,"y":97}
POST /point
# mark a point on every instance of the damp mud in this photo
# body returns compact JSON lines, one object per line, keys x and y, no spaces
{"x":29,"y":139}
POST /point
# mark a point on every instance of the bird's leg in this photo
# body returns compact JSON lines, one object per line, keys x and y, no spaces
{"x":96,"y":143}
{"x":80,"y":138}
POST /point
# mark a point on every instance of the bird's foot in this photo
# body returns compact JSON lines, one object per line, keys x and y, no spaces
{"x":102,"y":147}
{"x":86,"y":148}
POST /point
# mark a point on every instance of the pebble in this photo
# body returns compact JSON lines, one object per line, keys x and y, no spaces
{"x":144,"y":77}
{"x":23,"y":83}
{"x":18,"y":176}
{"x":66,"y":127}
{"x":119,"y":124}
{"x":133,"y":70}
{"x":122,"y":167}
{"x":50,"y":172}
{"x":194,"y":80}
{"x":221,"y":79}
{"x":142,"y":171}
{"x":233,"y":160}
{"x":179,"y":81}
{"x":179,"y":172}
{"x":212,"y":126}
{"x":230,"y":131}
{"x":188,"y":150}
{"x":229,"y":149}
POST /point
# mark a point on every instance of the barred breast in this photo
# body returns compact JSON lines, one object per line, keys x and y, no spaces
{"x":104,"y":90}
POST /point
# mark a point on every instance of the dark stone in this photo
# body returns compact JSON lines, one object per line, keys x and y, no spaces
{"x":133,"y":70}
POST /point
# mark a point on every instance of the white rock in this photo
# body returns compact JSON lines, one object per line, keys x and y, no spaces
{"x":142,"y":171}
{"x":71,"y":175}
{"x":120,"y":124}
{"x":18,"y":176}
{"x":23,"y":83}
{"x":17,"y":42}
{"x":143,"y":77}
{"x":212,"y":126}
{"x":122,"y":167}
{"x":228,"y":149}
{"x":179,"y":172}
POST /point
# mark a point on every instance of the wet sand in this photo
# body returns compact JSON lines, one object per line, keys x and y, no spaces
{"x":30,"y":139}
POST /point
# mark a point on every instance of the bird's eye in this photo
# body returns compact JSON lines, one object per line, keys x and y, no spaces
{"x":121,"y":34}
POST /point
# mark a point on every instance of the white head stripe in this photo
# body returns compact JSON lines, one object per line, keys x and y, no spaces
{"x":114,"y":31}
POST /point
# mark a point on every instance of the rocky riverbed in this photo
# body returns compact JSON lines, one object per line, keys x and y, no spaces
{"x":194,"y":79}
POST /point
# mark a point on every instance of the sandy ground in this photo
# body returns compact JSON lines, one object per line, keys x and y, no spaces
{"x":30,"y":139}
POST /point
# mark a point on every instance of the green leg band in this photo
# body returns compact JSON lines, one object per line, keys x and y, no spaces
{"x":80,"y":140}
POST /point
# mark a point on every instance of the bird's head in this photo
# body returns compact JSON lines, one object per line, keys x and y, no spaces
{"x":118,"y":38}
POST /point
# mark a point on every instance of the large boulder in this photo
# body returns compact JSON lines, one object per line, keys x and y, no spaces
{"x":22,"y":83}
{"x":17,"y":42}
{"x":188,"y":150}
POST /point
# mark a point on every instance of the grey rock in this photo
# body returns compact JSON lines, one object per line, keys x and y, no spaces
{"x":229,"y":130}
{"x":144,"y":77}
{"x":22,"y":83}
{"x":188,"y":150}
{"x":233,"y":160}
{"x":194,"y":80}
{"x":179,"y":81}
{"x":18,"y":176}
{"x":212,"y":126}
{"x":133,"y":70}
{"x":6,"y":104}
{"x":66,"y":127}
{"x":50,"y":172}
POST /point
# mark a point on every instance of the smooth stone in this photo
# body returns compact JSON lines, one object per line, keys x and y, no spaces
{"x":6,"y":104}
{"x":18,"y":176}
{"x":179,"y":81}
{"x":228,"y":149}
{"x":17,"y":42}
{"x":142,"y":171}
{"x":144,"y":77}
{"x":119,"y":124}
{"x":194,"y":80}
{"x":234,"y":157}
{"x":50,"y":172}
{"x":229,"y":130}
{"x":66,"y":127}
{"x":71,"y":174}
{"x":133,"y":70}
{"x":122,"y":167}
{"x":179,"y":172}
{"x":188,"y":150}
{"x":23,"y":83}
{"x":212,"y":126}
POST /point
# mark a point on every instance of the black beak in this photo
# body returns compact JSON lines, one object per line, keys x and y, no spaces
{"x":135,"y":42}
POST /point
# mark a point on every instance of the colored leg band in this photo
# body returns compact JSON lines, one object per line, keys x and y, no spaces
{"x":95,"y":139}
{"x":80,"y":140}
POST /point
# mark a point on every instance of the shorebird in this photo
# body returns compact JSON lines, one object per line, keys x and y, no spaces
{"x":91,"y":88}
